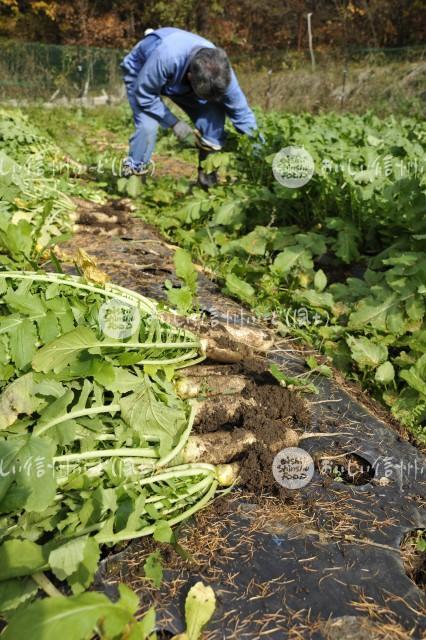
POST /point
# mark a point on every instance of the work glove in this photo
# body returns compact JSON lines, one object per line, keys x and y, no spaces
{"x":258,"y":147}
{"x":182,"y":130}
{"x":204,"y":144}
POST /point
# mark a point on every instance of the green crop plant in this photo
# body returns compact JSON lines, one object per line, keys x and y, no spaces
{"x":347,"y":249}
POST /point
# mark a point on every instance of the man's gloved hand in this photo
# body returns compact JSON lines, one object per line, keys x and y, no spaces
{"x":259,"y":146}
{"x":204,"y":144}
{"x":182,"y":130}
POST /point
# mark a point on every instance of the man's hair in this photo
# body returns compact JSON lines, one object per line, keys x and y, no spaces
{"x":210,"y":73}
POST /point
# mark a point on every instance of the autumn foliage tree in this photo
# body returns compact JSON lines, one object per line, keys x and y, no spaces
{"x":246,"y":25}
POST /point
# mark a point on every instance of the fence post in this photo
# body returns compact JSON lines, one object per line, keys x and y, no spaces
{"x":311,"y":50}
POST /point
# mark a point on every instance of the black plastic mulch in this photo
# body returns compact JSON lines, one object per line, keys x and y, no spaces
{"x":285,"y":580}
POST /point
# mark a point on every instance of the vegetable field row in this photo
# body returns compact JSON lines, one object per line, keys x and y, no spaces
{"x":93,"y":433}
{"x":95,"y":430}
{"x":339,"y":262}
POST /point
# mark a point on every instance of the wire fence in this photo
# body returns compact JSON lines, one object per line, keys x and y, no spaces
{"x":74,"y":74}
{"x":45,"y":72}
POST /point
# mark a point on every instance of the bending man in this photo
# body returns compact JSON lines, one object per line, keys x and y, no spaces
{"x":196,"y":76}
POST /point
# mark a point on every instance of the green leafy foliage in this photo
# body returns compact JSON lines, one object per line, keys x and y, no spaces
{"x":90,"y":428}
{"x":90,"y":425}
{"x":340,"y":262}
{"x":293,"y":382}
{"x":35,"y":209}
{"x":366,"y":353}
{"x":200,"y":605}
{"x":183,"y":298}
{"x":75,"y":617}
{"x":421,"y":542}
{"x":153,"y":568}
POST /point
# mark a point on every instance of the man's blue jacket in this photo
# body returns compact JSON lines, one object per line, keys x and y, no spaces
{"x":158,"y":65}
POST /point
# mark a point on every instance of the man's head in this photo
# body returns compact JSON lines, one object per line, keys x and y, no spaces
{"x":210,"y":73}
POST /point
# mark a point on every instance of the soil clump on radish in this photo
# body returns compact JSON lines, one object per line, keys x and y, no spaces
{"x":268,"y":410}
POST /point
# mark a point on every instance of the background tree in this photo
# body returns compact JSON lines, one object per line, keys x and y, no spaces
{"x":243,"y":25}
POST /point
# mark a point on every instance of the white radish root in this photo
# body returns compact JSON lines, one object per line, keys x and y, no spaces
{"x":228,"y":474}
{"x":89,"y":218}
{"x":212,"y":385}
{"x":218,"y":447}
{"x":221,"y":447}
{"x":228,"y":411}
{"x":218,"y":353}
{"x":205,"y":371}
{"x":223,"y":343}
{"x":254,"y":338}
{"x":289,"y":438}
{"x":113,"y":231}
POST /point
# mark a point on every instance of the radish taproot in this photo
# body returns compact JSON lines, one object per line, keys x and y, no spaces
{"x":228,"y":411}
{"x":212,"y":385}
{"x":221,"y":447}
{"x":218,"y":447}
{"x":256,"y":339}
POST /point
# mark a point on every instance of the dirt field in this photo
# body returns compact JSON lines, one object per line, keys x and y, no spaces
{"x":296,"y":564}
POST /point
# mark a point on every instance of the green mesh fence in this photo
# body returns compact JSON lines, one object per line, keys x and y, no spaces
{"x":34,"y":71}
{"x":391,"y":54}
{"x":292,"y":59}
{"x":72,"y":73}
